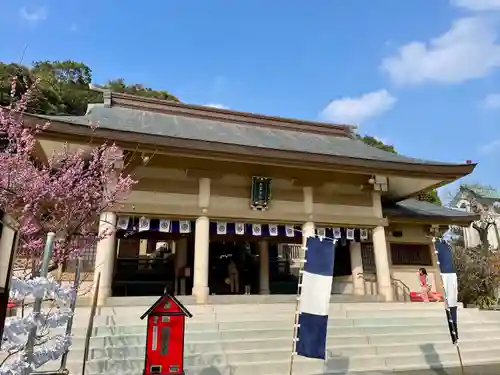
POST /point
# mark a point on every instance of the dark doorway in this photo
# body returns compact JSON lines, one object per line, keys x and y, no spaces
{"x":342,"y":264}
{"x":234,"y":267}
{"x":145,"y":264}
{"x":284,"y":268}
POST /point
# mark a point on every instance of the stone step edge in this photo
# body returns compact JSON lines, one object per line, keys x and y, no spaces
{"x":354,"y":324}
{"x":284,"y":314}
{"x":289,"y":307}
{"x":334,"y":347}
{"x":396,"y":370}
{"x":446,"y":364}
{"x":488,"y":329}
{"x":228,"y":341}
{"x":281,"y":311}
{"x":366,"y":356}
{"x":417,"y":324}
{"x":236,"y":309}
{"x":277,"y":318}
{"x":432,"y":365}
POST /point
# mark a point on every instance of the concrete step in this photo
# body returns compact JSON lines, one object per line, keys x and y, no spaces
{"x":255,"y":339}
{"x":123,"y":332}
{"x":259,"y":351}
{"x":221,"y":300}
{"x":115,"y":320}
{"x":385,"y":323}
{"x":86,"y":302}
{"x":131,"y":309}
{"x":257,"y":312}
{"x":424,"y":357}
{"x":442,"y":335}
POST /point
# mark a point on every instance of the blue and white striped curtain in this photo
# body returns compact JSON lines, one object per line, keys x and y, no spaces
{"x":450,"y":285}
{"x":315,"y":296}
{"x":139,"y":224}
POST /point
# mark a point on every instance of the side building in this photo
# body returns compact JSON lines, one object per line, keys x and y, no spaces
{"x":484,"y":202}
{"x":221,"y":190}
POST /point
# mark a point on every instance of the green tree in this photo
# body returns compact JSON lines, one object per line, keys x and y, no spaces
{"x":66,"y":84}
{"x":63,"y":87}
{"x":374,"y":142}
{"x":24,"y":79}
{"x":478,"y":275}
{"x":428,"y":196}
{"x":119,"y":85}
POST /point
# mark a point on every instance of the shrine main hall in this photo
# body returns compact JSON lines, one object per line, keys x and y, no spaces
{"x":225,"y":199}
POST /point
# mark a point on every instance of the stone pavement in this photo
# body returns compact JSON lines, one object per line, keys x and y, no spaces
{"x":493,"y":369}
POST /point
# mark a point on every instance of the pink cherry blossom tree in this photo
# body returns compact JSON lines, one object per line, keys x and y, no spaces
{"x":64,"y":196}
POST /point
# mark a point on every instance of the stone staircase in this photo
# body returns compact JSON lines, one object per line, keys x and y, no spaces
{"x":252,"y":335}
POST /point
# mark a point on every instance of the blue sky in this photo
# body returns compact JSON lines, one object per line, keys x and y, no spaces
{"x":423,"y":75}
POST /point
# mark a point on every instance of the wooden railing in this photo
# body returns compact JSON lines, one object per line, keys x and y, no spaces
{"x":401,"y":290}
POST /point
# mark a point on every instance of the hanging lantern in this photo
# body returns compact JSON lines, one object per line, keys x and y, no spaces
{"x":261,"y":193}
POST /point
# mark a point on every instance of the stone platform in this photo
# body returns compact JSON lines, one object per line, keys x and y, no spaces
{"x":252,"y":335}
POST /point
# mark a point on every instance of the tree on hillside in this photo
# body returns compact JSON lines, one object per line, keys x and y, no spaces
{"x":374,"y":142}
{"x":67,"y":84}
{"x":428,"y":196}
{"x":119,"y":85}
{"x":63,"y":87}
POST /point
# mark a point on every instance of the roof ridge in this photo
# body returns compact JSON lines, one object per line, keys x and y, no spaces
{"x":228,"y":116}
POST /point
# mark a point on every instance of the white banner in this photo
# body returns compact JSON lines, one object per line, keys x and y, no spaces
{"x":144,"y":224}
{"x":321,"y":232}
{"x":273,"y":229}
{"x":336,"y":233}
{"x":239,"y":228}
{"x":363,"y":234}
{"x":350,"y":233}
{"x":165,"y":225}
{"x":184,"y":226}
{"x":289,"y":230}
{"x":221,"y":227}
{"x":256,"y":229}
{"x":123,"y":222}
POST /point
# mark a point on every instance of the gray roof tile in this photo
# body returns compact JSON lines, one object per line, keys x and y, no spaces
{"x":184,"y":127}
{"x":414,"y":208}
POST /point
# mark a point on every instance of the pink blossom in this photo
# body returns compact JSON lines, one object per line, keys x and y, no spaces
{"x":65,"y":196}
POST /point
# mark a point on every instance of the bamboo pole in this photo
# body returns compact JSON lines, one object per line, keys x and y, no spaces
{"x":447,"y":308}
{"x":296,"y":317}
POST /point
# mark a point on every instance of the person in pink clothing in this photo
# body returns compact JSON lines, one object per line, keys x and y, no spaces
{"x":425,"y":287}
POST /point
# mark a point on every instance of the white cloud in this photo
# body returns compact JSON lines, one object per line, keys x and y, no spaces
{"x":349,"y":110}
{"x":468,"y":50}
{"x":492,"y":101}
{"x":34,"y":14}
{"x":216,"y":105}
{"x":490,"y":147}
{"x":477,"y":5}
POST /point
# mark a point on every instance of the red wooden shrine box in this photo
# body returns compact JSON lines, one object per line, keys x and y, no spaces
{"x":165,"y":337}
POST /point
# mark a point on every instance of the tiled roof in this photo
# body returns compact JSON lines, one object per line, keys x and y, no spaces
{"x":188,"y":127}
{"x":412,"y":208}
{"x":484,"y":192}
